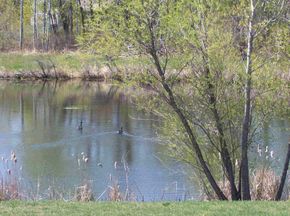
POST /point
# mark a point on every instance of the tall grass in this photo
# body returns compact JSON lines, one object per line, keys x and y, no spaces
{"x":10,"y":183}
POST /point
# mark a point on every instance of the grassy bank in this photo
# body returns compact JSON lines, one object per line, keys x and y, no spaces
{"x":115,"y":208}
{"x":65,"y":65}
{"x":68,"y":61}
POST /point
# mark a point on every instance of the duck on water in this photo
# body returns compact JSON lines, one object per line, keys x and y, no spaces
{"x":80,"y":127}
{"x":120,"y":131}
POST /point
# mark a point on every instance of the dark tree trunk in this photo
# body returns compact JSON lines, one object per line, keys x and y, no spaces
{"x":82,"y":15}
{"x":91,"y":9}
{"x":64,"y":19}
{"x":171,"y":101}
{"x":210,"y":91}
{"x":225,"y":155}
{"x":284,"y":175}
{"x":70,"y":21}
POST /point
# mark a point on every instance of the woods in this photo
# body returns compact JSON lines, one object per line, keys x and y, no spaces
{"x":43,"y":24}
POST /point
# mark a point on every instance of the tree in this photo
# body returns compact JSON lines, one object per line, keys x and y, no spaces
{"x":207,"y":116}
{"x":261,"y":22}
{"x":35,"y":25}
{"x":284,"y":175}
{"x":21,"y":25}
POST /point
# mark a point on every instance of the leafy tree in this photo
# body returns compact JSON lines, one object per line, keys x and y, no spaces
{"x":208,"y":44}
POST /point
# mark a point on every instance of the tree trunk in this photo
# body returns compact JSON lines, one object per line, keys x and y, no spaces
{"x":246,"y":195}
{"x":210,"y":91}
{"x":91,"y":9}
{"x":77,"y":20}
{"x":21,"y":25}
{"x":225,"y":155}
{"x":82,"y":15}
{"x":44,"y":17}
{"x":35,"y":32}
{"x":194,"y":145}
{"x":64,"y":18}
{"x":49,"y":25}
{"x":70,"y":21}
{"x":45,"y":36}
{"x":284,"y":175}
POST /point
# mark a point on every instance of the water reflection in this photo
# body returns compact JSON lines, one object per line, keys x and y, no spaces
{"x":40,"y":122}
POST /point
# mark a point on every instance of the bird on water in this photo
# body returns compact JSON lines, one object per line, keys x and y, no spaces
{"x":80,"y":127}
{"x":120,"y":131}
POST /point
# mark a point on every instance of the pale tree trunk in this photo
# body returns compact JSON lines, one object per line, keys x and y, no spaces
{"x":44,"y":25}
{"x":35,"y":32}
{"x":245,"y":193}
{"x":49,"y":25}
{"x":21,"y":25}
{"x":284,"y":175}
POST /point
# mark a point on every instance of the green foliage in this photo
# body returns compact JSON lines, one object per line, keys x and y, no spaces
{"x":8,"y":23}
{"x":201,"y":44}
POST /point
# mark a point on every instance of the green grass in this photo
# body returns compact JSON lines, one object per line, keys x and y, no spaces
{"x":134,"y":209}
{"x":68,"y":61}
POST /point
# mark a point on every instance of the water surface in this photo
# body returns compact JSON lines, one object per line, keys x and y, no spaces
{"x":39,"y":122}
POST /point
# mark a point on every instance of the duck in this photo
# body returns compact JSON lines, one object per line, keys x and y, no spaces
{"x":80,"y":127}
{"x":120,"y":131}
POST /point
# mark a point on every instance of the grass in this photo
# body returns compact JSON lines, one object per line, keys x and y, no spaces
{"x":123,"y":208}
{"x":68,"y":61}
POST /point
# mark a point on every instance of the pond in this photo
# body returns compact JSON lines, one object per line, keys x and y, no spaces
{"x":39,"y":121}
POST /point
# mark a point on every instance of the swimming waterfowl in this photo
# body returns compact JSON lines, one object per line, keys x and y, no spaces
{"x":120,"y":131}
{"x":80,"y":127}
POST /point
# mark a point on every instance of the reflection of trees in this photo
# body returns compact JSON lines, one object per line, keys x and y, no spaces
{"x":40,"y":110}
